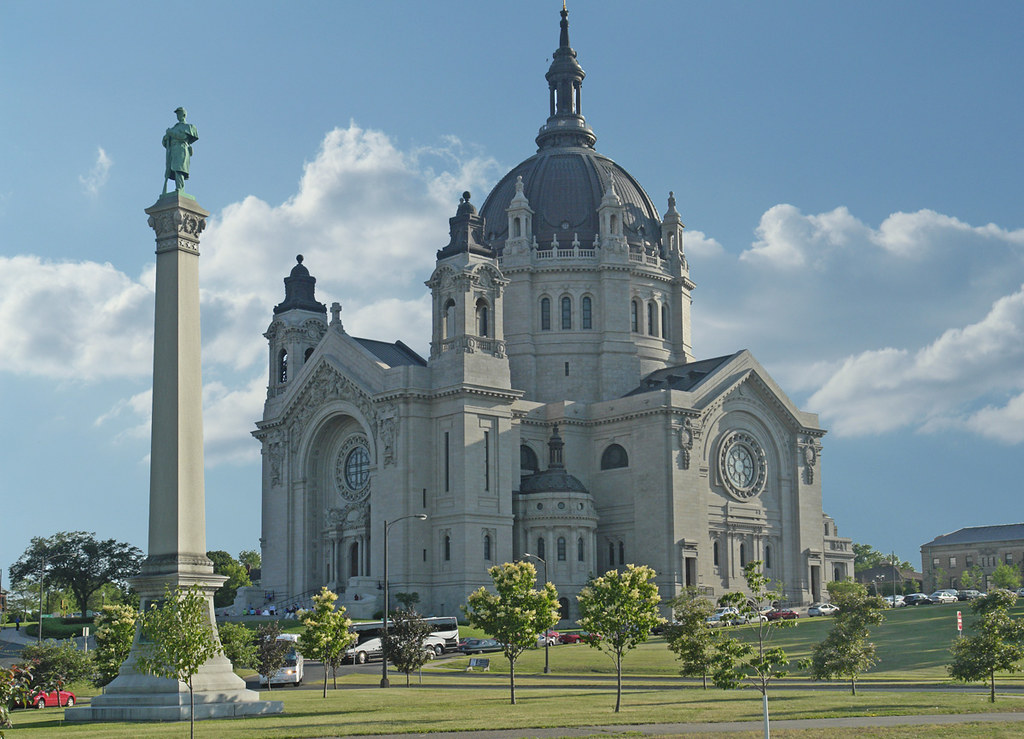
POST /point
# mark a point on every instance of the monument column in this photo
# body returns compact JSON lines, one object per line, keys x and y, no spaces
{"x":177,"y":505}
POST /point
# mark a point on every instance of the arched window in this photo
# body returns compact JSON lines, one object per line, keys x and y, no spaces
{"x":767,"y":556}
{"x":561,"y":549}
{"x":540,"y":547}
{"x":614,"y":457}
{"x":714,"y":553}
{"x":527,"y":459}
{"x":447,"y":548}
{"x":611,"y":554}
{"x":517,"y":228}
{"x":588,"y":313}
{"x":545,"y":314}
{"x":579,"y":550}
{"x":353,"y":560}
{"x":449,"y":319}
{"x":622,"y":553}
{"x":563,"y":608}
{"x":282,"y":366}
{"x":487,"y":547}
{"x":743,"y":555}
{"x":307,"y":355}
{"x":566,"y":313}
{"x":482,"y":328}
{"x":634,"y":316}
{"x":613,"y":222}
{"x":652,"y":321}
{"x":664,"y":321}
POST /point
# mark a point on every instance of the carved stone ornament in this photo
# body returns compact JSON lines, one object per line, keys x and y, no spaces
{"x":742,"y":465}
{"x":810,"y":449}
{"x":388,"y":437}
{"x":275,"y":451}
{"x":352,"y":469}
{"x":686,"y":436}
{"x":327,"y":384}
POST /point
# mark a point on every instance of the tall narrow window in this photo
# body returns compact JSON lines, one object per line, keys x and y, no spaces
{"x":634,"y":316}
{"x":563,"y":608}
{"x":579,"y":549}
{"x":282,"y":366}
{"x":611,"y":554}
{"x":545,"y":314}
{"x":487,"y":460}
{"x":622,"y":553}
{"x":353,"y":560}
{"x":664,"y":321}
{"x":651,"y":320}
{"x":587,"y":307}
{"x":447,"y":548}
{"x":449,"y":319}
{"x":767,"y":557}
{"x":482,"y":328}
{"x":447,"y":465}
{"x":487,"y":547}
{"x":561,"y":549}
{"x":517,"y":228}
{"x":743,"y":555}
{"x":566,"y":313}
{"x":307,"y":355}
{"x":714,"y":553}
{"x":540,"y":547}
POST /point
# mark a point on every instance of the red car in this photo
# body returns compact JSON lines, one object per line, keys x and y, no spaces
{"x":51,"y":699}
{"x":780,"y":613}
{"x":570,"y":638}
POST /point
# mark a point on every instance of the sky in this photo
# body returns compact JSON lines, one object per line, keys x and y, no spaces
{"x":849,"y":175}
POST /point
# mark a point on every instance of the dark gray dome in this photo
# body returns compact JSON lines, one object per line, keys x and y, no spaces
{"x":551,"y":481}
{"x":564,"y":186}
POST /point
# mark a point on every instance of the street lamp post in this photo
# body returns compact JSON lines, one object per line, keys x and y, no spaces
{"x":384,"y":682}
{"x":547,"y":663}
{"x":893,"y":578}
{"x":42,"y":577}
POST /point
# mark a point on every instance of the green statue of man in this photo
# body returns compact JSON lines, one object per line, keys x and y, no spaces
{"x":178,"y":141}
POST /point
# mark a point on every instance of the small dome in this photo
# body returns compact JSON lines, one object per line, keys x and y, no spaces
{"x":552,"y":481}
{"x":300,"y":291}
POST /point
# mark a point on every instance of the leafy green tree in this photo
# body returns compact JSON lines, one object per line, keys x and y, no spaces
{"x":271,"y":652}
{"x":1006,"y":576}
{"x":996,"y":646}
{"x":866,"y":556}
{"x":621,"y":606}
{"x":404,"y":642}
{"x":15,"y":689}
{"x":57,"y":663}
{"x":755,"y":662}
{"x":115,"y":630}
{"x":178,"y":639}
{"x":516,"y":613}
{"x":408,"y":600}
{"x":690,"y":636}
{"x":250,"y":559}
{"x":846,"y":651}
{"x":77,"y":561}
{"x":327,"y":635}
{"x":973,"y":578}
{"x":939,"y":578}
{"x":238,"y":576}
{"x":238,"y":644}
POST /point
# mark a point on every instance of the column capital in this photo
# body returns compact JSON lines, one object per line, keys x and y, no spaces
{"x":178,"y":220}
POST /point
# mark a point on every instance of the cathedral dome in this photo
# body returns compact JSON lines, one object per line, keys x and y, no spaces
{"x":566,"y":179}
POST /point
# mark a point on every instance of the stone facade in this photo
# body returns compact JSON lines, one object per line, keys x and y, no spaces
{"x":945,"y":558}
{"x":561,"y":412}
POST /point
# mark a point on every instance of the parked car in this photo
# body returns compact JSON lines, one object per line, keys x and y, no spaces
{"x":781,"y":613}
{"x":53,"y":699}
{"x":916,"y":599}
{"x":570,"y":637}
{"x":822,"y":609}
{"x":941,"y":596}
{"x":1020,"y":592}
{"x":549,"y":639}
{"x":725,"y":616}
{"x":479,"y":646}
{"x":895,"y":601}
{"x":967,"y":594}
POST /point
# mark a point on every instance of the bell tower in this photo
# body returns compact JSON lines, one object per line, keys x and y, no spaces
{"x":299,"y":324}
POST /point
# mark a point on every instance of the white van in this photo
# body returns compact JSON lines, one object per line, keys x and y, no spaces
{"x":292,"y":671}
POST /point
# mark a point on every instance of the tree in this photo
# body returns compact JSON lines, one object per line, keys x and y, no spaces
{"x":57,"y":663}
{"x":690,"y":636}
{"x":238,"y":576}
{"x":327,"y":634}
{"x":973,"y":578}
{"x":271,"y":652}
{"x":1006,"y":576}
{"x":250,"y":559}
{"x":866,"y":556}
{"x":846,"y":651}
{"x":178,"y":639}
{"x":15,"y":689}
{"x":77,"y":561}
{"x":939,"y":578}
{"x":516,"y":613}
{"x":623,"y":608}
{"x":115,"y":630}
{"x":754,"y":662}
{"x":997,"y":645}
{"x":408,"y":600}
{"x":404,"y":642}
{"x":237,"y":642}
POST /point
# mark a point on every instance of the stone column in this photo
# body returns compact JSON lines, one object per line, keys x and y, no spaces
{"x":177,"y":505}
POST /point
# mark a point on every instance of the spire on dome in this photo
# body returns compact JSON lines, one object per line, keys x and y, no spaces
{"x":555,"y":449}
{"x":300,"y":291}
{"x":466,"y":230}
{"x":565,"y":125}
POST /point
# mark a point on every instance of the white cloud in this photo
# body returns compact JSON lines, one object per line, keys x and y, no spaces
{"x":99,"y":173}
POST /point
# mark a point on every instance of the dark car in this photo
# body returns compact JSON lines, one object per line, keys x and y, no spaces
{"x":479,"y":646}
{"x":916,"y":599}
{"x":781,"y":613}
{"x":967,"y":595}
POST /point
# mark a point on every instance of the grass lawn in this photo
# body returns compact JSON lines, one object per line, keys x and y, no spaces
{"x":448,"y":703}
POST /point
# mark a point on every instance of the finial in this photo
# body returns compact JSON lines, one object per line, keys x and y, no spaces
{"x":465,"y":196}
{"x":298,"y":258}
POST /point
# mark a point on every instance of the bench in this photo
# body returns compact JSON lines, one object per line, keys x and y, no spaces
{"x":479,"y":662}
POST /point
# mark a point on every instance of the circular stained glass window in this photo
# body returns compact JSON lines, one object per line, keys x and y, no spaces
{"x":357,"y":468}
{"x":352,"y":469}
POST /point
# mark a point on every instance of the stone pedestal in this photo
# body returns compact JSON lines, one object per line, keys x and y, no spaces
{"x":177,"y":501}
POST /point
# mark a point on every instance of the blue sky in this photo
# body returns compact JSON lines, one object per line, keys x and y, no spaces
{"x":849,"y":175}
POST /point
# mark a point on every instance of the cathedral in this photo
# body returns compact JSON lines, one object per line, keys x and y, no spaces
{"x":561,"y":416}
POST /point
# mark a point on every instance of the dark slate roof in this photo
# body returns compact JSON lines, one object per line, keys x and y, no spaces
{"x":392,"y":355}
{"x":300,"y":291}
{"x":551,"y":481}
{"x":980,"y":534}
{"x":681,"y":377}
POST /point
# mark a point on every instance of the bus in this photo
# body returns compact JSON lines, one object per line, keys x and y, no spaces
{"x":292,"y":671}
{"x":444,"y":637}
